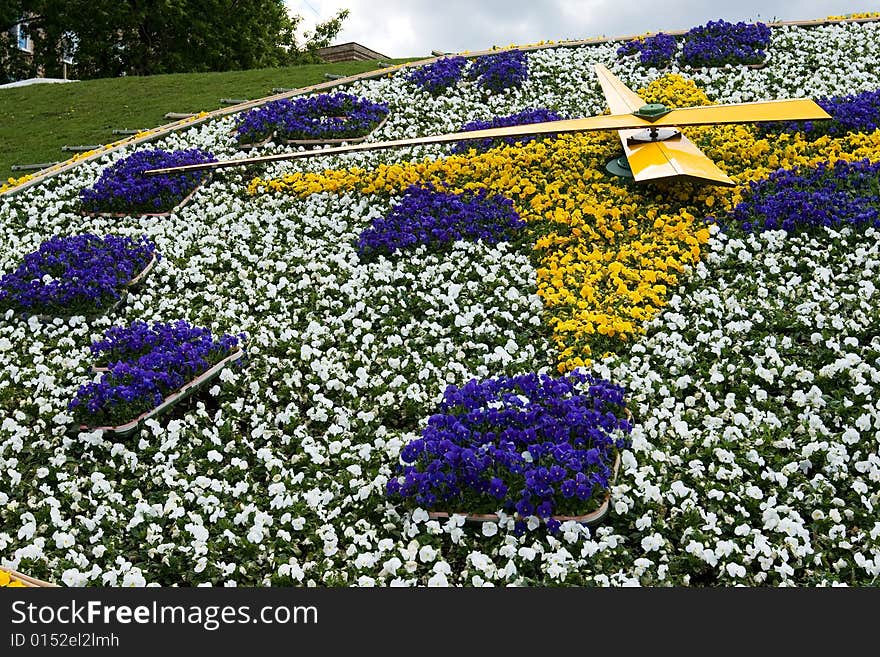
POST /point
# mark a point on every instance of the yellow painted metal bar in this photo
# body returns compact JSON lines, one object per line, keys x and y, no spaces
{"x":621,"y":99}
{"x":660,"y":159}
{"x":746,"y":112}
{"x":801,"y":109}
{"x":605,"y":122}
{"x":671,"y":158}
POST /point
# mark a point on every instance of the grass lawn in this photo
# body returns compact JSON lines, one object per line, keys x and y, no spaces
{"x":37,"y":120}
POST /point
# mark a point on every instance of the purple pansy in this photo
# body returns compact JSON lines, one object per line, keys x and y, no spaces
{"x":533,"y":444}
{"x":847,"y":193}
{"x":436,"y":218}
{"x":438,"y":76}
{"x":123,"y":187}
{"x":80,"y":274}
{"x":145,"y":364}
{"x":322,"y":116}
{"x":655,"y":51}
{"x":497,"y":72}
{"x":718,"y":43}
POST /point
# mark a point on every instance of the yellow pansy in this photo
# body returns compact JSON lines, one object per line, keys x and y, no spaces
{"x":15,"y":182}
{"x":862,"y":14}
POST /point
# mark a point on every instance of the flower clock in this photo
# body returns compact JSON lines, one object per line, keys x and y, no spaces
{"x":76,"y":275}
{"x":492,"y":365}
{"x":322,"y":118}
{"x":123,"y":190}
{"x":143,"y":367}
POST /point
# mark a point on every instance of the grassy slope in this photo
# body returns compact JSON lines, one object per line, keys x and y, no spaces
{"x":37,"y":120}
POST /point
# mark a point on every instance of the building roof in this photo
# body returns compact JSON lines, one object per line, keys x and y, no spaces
{"x":348,"y":52}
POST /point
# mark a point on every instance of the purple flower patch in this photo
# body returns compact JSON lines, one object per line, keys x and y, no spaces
{"x":530,"y":444}
{"x":78,"y":275}
{"x":654,"y":51}
{"x":858,"y":112}
{"x":718,"y":43}
{"x":847,"y":193}
{"x":504,"y":70}
{"x":260,"y":123}
{"x":145,"y":364}
{"x":123,"y":187}
{"x":525,"y":117}
{"x":437,"y":77}
{"x":323,"y":116}
{"x":427,"y":216}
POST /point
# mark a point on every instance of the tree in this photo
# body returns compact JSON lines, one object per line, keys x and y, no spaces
{"x":323,"y":35}
{"x":146,"y":37}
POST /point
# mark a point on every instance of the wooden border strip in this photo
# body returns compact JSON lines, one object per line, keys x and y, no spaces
{"x":160,"y":131}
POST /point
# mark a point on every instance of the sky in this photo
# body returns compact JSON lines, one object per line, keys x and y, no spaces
{"x":414,"y":28}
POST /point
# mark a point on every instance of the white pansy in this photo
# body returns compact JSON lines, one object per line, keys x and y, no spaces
{"x":427,"y":553}
{"x":438,"y":580}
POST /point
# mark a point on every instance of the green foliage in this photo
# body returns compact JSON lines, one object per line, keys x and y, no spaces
{"x":130,"y":37}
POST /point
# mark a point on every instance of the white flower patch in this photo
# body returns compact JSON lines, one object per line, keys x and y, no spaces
{"x":783,"y":450}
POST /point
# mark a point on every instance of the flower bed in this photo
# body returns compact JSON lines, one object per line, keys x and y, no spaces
{"x":437,"y":219}
{"x":124,"y":190}
{"x":529,"y":445}
{"x":718,"y":43}
{"x":148,"y":368}
{"x":78,"y":275}
{"x":438,"y":76}
{"x":520,"y":118}
{"x":749,"y":359}
{"x":845,"y":194}
{"x":595,"y":516}
{"x":495,"y":73}
{"x":257,"y":126}
{"x":656,"y":50}
{"x":318,"y":119}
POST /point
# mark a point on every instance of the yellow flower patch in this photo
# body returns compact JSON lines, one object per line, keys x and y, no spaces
{"x":675,"y":91}
{"x":608,"y":253}
{"x":855,"y":16}
{"x":15,"y":182}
